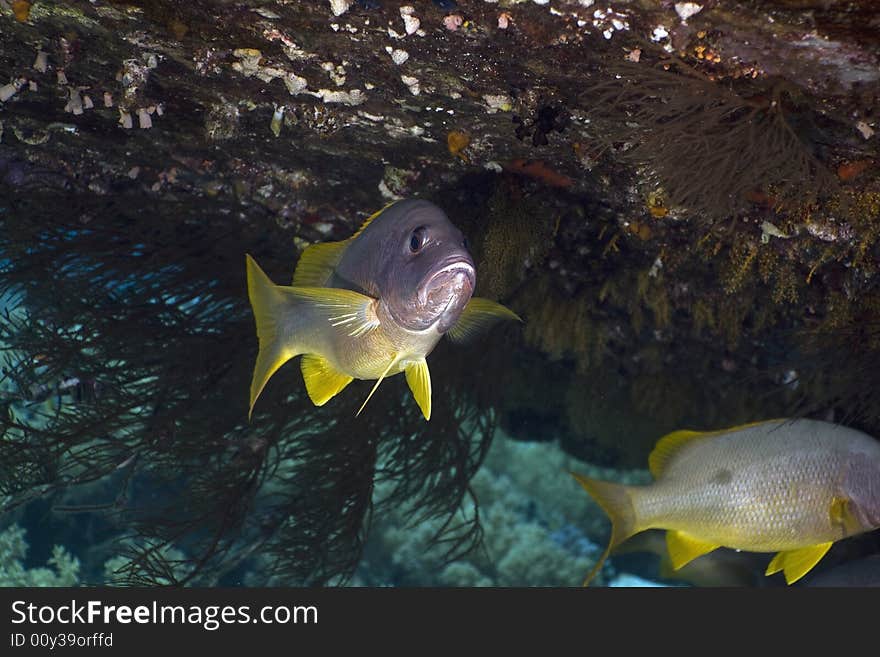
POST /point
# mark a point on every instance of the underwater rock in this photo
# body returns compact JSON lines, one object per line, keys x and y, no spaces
{"x":654,"y":291}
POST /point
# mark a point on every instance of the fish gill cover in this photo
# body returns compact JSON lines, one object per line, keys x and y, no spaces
{"x":152,"y":317}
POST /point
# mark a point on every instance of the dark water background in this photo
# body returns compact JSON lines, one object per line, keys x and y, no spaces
{"x":128,"y":347}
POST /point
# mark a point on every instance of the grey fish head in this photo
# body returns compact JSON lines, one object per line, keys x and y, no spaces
{"x":861,"y":485}
{"x":416,"y":262}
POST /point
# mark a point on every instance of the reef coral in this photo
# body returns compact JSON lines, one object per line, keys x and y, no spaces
{"x":536,"y":530}
{"x":62,"y":569}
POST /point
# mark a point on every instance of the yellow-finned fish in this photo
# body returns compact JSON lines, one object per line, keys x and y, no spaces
{"x":371,"y":306}
{"x":788,"y":486}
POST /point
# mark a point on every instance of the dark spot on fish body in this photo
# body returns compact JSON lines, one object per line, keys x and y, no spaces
{"x":722,"y":476}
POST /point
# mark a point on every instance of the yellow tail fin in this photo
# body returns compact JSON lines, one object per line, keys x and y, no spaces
{"x":267,"y":302}
{"x":616,"y":503}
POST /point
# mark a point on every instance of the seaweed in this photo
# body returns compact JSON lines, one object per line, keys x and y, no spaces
{"x":147,"y":303}
{"x":711,"y":148}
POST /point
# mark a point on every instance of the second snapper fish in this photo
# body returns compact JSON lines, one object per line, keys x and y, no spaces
{"x":371,"y":306}
{"x":793,"y":487}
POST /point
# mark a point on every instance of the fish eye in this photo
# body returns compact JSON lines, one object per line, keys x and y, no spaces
{"x":465,"y":243}
{"x":417,"y":239}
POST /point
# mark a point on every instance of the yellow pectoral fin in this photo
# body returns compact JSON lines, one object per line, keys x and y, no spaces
{"x":350,"y":314}
{"x":419,"y":379}
{"x":841,"y":515}
{"x":323,"y":382}
{"x":478,"y":315}
{"x":683,"y":548}
{"x":797,"y":563}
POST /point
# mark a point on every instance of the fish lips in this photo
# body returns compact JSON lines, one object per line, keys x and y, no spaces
{"x":448,"y":290}
{"x":456,"y":277}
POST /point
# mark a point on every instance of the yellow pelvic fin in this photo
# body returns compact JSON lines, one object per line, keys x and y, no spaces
{"x":323,"y":382}
{"x":616,"y":503}
{"x":317,"y":262}
{"x":670,"y":444}
{"x":351,"y":314}
{"x":268,"y":301}
{"x":478,"y":315}
{"x":797,"y":563}
{"x":684,"y":548}
{"x":378,"y":381}
{"x":419,"y":379}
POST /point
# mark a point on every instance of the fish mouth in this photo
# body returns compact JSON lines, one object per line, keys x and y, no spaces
{"x":453,"y":280}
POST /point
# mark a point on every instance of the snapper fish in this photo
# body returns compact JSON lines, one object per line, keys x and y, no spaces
{"x":371,"y":306}
{"x":793,"y":487}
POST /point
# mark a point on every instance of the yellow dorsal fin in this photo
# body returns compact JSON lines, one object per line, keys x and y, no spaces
{"x":317,"y":262}
{"x":671,"y":443}
{"x":616,"y":503}
{"x":667,"y":447}
{"x":419,"y":379}
{"x":378,"y":381}
{"x":684,"y":548}
{"x":479,"y":314}
{"x":322,"y":380}
{"x":797,"y":563}
{"x":369,"y":220}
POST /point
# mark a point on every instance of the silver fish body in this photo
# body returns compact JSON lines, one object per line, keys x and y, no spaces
{"x":788,"y":486}
{"x":768,"y":487}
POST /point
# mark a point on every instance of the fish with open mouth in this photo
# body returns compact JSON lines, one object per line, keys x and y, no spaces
{"x":371,"y":306}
